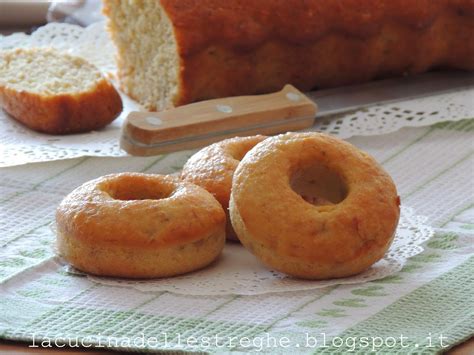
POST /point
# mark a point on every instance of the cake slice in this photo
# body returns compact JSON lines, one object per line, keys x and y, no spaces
{"x":173,"y":52}
{"x":56,"y":93}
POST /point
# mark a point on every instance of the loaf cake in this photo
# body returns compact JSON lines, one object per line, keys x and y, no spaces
{"x":173,"y":52}
{"x":54,"y":92}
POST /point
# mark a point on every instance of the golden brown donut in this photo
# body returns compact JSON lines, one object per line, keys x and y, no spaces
{"x":213,"y":168}
{"x":139,"y":226}
{"x":350,"y":228}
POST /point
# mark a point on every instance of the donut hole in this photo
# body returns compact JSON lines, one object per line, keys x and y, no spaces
{"x":319,"y":185}
{"x":238,"y":153}
{"x":138,"y":188}
{"x":239,"y":148}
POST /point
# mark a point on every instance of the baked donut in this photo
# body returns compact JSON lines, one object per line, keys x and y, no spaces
{"x":345,"y":234}
{"x":139,"y":226}
{"x":213,"y":168}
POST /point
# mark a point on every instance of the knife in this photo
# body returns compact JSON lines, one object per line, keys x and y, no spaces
{"x":206,"y":122}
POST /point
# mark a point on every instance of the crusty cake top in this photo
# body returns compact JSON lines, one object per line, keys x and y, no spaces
{"x":244,"y":24}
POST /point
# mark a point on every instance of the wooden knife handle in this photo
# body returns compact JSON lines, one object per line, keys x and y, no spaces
{"x":201,"y":123}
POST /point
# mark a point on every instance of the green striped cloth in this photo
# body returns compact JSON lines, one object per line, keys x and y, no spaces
{"x":425,"y":308}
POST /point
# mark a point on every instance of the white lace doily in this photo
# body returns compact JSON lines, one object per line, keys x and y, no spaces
{"x":238,"y":272}
{"x":19,"y":145}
